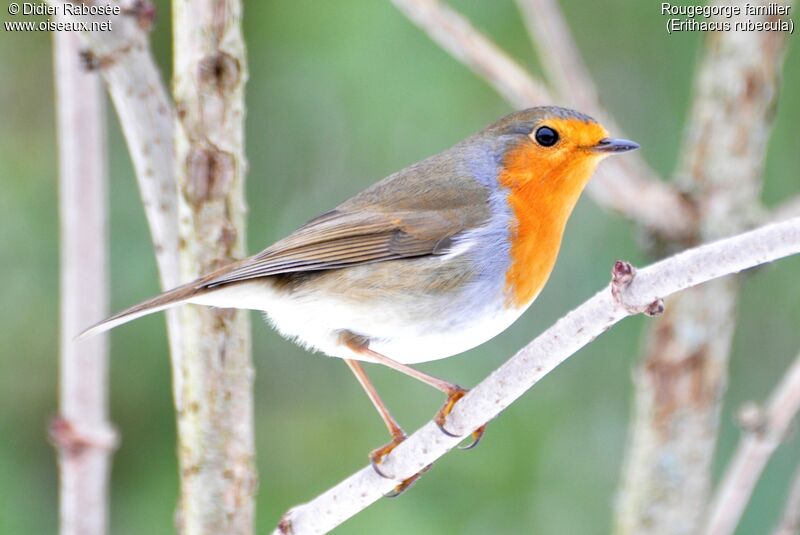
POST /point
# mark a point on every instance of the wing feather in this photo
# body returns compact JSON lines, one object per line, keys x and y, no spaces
{"x":388,"y":221}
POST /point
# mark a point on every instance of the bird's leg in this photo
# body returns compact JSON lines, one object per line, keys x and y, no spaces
{"x":398,"y":435}
{"x":453,"y":391}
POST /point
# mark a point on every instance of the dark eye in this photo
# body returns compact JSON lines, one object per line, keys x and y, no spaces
{"x":546,"y":136}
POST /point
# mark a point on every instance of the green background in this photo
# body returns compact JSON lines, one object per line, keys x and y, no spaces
{"x":341,"y":94}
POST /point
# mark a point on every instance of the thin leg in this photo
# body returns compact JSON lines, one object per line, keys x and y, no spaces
{"x":453,"y":391}
{"x":398,"y":435}
{"x":394,"y":429}
{"x":439,"y":384}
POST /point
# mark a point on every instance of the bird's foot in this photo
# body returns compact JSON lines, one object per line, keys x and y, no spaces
{"x":441,"y":418}
{"x":376,"y":457}
{"x":622,"y":276}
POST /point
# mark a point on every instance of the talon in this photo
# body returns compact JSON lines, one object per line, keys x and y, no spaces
{"x":406,"y":484}
{"x":477,"y":435}
{"x":441,"y":416}
{"x":377,"y":455}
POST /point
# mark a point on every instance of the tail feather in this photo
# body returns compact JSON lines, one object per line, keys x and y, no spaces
{"x":166,"y":300}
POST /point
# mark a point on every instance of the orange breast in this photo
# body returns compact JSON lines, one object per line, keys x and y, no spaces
{"x":542,"y":194}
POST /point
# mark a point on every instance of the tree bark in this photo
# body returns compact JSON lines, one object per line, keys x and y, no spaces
{"x":214,"y":375}
{"x":681,"y":382}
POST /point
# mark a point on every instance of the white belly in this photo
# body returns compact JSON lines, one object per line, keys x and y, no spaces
{"x":452,"y":325}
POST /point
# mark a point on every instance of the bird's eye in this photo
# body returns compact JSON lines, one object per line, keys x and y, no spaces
{"x":546,"y":136}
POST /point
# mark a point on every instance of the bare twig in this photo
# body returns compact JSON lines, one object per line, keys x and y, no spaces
{"x":679,"y":386}
{"x":763,"y":433}
{"x":453,"y":32}
{"x":542,"y":355}
{"x":560,"y":57}
{"x":123,"y":58}
{"x":215,"y":385}
{"x":789,"y":523}
{"x":626,"y":184}
{"x":83,"y":458}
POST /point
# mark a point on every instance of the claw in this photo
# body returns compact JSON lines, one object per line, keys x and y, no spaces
{"x":477,"y":435}
{"x":377,"y":455}
{"x":406,"y":484}
{"x":441,"y":417}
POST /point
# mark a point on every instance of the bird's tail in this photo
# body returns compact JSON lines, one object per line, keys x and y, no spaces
{"x":166,"y":300}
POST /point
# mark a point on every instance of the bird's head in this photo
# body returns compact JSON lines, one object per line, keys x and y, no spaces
{"x":551,"y":148}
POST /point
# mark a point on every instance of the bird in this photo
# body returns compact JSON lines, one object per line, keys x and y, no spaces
{"x":425,"y":264}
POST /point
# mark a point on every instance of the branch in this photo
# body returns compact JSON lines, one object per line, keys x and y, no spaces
{"x":123,"y":58}
{"x":214,"y":376}
{"x":681,"y":381}
{"x":559,"y":53}
{"x":629,"y":185}
{"x":454,"y":33}
{"x":763,"y":433}
{"x":538,"y":358}
{"x":629,"y":188}
{"x":82,"y":434}
{"x":790,"y":520}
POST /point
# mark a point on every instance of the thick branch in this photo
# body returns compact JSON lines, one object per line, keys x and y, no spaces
{"x":680,"y":384}
{"x":762,"y":435}
{"x":542,"y":355}
{"x":631,"y":189}
{"x":214,"y":377}
{"x":84,"y":450}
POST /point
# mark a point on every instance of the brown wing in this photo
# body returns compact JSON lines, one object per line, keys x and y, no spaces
{"x":339,"y":239}
{"x":413,"y":213}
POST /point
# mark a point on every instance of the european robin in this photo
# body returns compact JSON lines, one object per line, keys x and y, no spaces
{"x":425,"y":264}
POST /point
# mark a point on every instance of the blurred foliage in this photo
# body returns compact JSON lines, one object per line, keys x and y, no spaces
{"x":341,"y":94}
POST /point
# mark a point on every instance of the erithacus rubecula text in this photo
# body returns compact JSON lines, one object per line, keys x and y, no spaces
{"x":425,"y":264}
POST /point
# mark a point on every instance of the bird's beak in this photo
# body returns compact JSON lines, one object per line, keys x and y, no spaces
{"x":613,"y":146}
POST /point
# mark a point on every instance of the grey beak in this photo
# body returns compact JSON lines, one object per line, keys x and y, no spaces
{"x":614,"y":146}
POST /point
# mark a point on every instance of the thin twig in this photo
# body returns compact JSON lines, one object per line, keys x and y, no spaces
{"x":122,"y":56}
{"x":763,"y":433}
{"x":215,"y":374}
{"x":680,"y":383}
{"x":561,"y":60}
{"x":82,"y":434}
{"x":453,"y":32}
{"x":577,"y":329}
{"x":632,"y":190}
{"x":789,"y":523}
